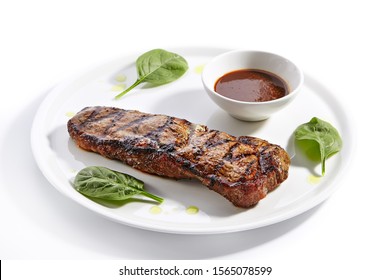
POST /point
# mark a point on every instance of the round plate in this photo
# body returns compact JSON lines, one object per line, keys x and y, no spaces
{"x":60,"y":159}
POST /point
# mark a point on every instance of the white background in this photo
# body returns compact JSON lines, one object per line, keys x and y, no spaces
{"x":344,"y":45}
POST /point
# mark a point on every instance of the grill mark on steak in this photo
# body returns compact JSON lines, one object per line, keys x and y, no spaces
{"x":132,"y":123}
{"x":154,"y":134}
{"x":242,"y":169}
{"x":226,"y":157}
{"x":94,"y":114}
{"x":114,"y":121}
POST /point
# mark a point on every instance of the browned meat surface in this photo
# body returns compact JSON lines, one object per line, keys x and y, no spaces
{"x":242,"y":169}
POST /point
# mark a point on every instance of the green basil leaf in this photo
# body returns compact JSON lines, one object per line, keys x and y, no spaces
{"x":319,"y":140}
{"x":158,"y":67}
{"x":104,"y":183}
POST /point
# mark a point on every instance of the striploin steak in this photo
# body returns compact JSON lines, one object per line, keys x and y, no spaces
{"x":242,"y":169}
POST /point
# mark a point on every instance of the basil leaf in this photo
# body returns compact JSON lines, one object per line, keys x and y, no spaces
{"x":104,"y":183}
{"x":319,"y":140}
{"x":158,"y":67}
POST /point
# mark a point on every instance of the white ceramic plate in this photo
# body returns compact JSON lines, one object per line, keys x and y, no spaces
{"x":59,"y":158}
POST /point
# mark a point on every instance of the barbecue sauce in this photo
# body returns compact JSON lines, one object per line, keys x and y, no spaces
{"x":251,"y":85}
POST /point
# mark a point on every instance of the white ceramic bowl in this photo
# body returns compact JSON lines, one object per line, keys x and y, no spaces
{"x":251,"y":59}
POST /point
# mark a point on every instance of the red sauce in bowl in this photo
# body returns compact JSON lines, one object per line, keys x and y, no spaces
{"x":251,"y":85}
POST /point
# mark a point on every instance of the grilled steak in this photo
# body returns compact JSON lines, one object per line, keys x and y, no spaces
{"x":242,"y":169}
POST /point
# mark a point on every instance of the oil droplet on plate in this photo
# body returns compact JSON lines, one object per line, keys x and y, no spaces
{"x":155,"y":210}
{"x":313,"y":180}
{"x":118,"y":87}
{"x":199,"y":69}
{"x":70,"y":114}
{"x":192,"y":210}
{"x":120,"y":78}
